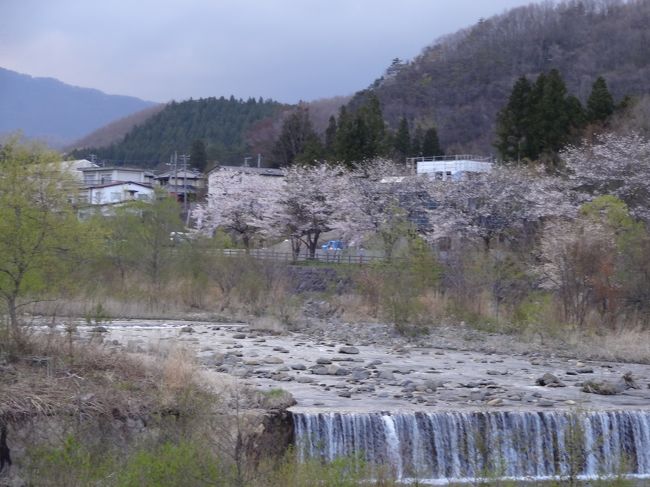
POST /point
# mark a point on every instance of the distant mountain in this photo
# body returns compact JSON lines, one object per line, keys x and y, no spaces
{"x":221,"y":123}
{"x":460,"y":82}
{"x":58,"y":113}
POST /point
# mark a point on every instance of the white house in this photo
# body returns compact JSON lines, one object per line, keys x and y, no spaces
{"x":119,"y":192}
{"x":93,"y":176}
{"x":451,"y":168}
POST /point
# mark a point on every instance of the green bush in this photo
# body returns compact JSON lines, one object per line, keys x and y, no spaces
{"x":171,"y":465}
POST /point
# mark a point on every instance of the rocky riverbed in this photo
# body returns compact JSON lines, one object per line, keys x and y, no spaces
{"x":367,"y":367}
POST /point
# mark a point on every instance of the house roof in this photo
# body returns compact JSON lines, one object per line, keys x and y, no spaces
{"x":112,"y":168}
{"x":118,"y":183}
{"x":179,"y":174}
{"x":262,"y":171}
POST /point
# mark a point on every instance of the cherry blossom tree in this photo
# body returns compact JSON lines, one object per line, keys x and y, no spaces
{"x":386,"y":202}
{"x":239,"y":202}
{"x":312,"y":201}
{"x":500,"y":204}
{"x":614,"y":164}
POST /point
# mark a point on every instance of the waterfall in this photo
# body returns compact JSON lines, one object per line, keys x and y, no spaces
{"x":467,"y":445}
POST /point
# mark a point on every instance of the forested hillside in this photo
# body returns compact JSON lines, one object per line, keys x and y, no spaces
{"x":219,"y":122}
{"x":460,"y":83}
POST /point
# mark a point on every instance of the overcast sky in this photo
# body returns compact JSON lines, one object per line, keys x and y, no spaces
{"x":175,"y":49}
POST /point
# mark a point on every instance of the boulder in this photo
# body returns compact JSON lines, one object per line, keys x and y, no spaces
{"x":609,"y":388}
{"x":349,"y":350}
{"x":549,"y":380}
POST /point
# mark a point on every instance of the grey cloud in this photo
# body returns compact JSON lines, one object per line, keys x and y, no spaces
{"x":282,"y":49}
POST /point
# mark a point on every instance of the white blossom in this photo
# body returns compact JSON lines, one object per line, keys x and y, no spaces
{"x":614,"y":164}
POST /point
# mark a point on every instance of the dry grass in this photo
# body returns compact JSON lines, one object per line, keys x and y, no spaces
{"x":625,"y":345}
{"x":58,"y":376}
{"x":54,"y":376}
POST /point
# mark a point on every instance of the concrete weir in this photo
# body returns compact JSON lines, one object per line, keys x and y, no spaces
{"x":463,"y":445}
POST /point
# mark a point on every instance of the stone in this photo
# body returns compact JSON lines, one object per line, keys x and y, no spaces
{"x":545,"y":403}
{"x":239,"y":336}
{"x":497,"y":401}
{"x":273,"y":360}
{"x":360,"y":375}
{"x":303,"y":379}
{"x":604,"y":387}
{"x":320,"y":370}
{"x":609,"y":388}
{"x":349,"y":350}
{"x":99,"y":329}
{"x":549,"y":380}
{"x":187,"y":329}
{"x":252,"y":362}
{"x":323,"y":361}
{"x":298,"y":366}
{"x":345,"y":394}
{"x":585,"y":370}
{"x":386,"y":375}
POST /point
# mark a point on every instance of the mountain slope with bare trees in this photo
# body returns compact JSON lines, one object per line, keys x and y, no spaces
{"x":461,"y":81}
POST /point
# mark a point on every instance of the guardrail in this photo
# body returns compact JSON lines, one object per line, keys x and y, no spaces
{"x":456,"y":157}
{"x":330,"y":257}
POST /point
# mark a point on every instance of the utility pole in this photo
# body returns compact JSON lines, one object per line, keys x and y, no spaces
{"x":185,"y":158}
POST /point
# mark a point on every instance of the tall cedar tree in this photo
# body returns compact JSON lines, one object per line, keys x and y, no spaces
{"x":600,"y":104}
{"x":347,"y":143}
{"x":513,"y":122}
{"x":330,"y":137}
{"x":198,"y":155}
{"x":538,"y":120}
{"x":431,"y":143}
{"x":361,"y":136}
{"x":402,"y":143}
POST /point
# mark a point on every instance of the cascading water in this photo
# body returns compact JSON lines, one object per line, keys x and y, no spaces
{"x":465,"y":445}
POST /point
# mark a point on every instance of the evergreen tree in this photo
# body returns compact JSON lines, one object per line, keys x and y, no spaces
{"x":538,"y":120}
{"x":551,"y":121}
{"x":347,"y":142}
{"x":431,"y":143}
{"x":198,"y":155}
{"x":416,"y":143}
{"x":312,"y":152}
{"x":577,"y":115}
{"x":600,"y":104}
{"x":374,"y":128}
{"x":402,"y":143}
{"x":513,"y":122}
{"x":330,"y":137}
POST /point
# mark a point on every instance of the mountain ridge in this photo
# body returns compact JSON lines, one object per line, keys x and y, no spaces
{"x":58,"y":113}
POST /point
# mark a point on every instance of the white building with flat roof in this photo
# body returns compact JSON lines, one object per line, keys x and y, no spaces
{"x":452,"y":168}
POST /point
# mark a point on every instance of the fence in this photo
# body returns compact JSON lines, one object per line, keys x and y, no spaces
{"x":330,"y":257}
